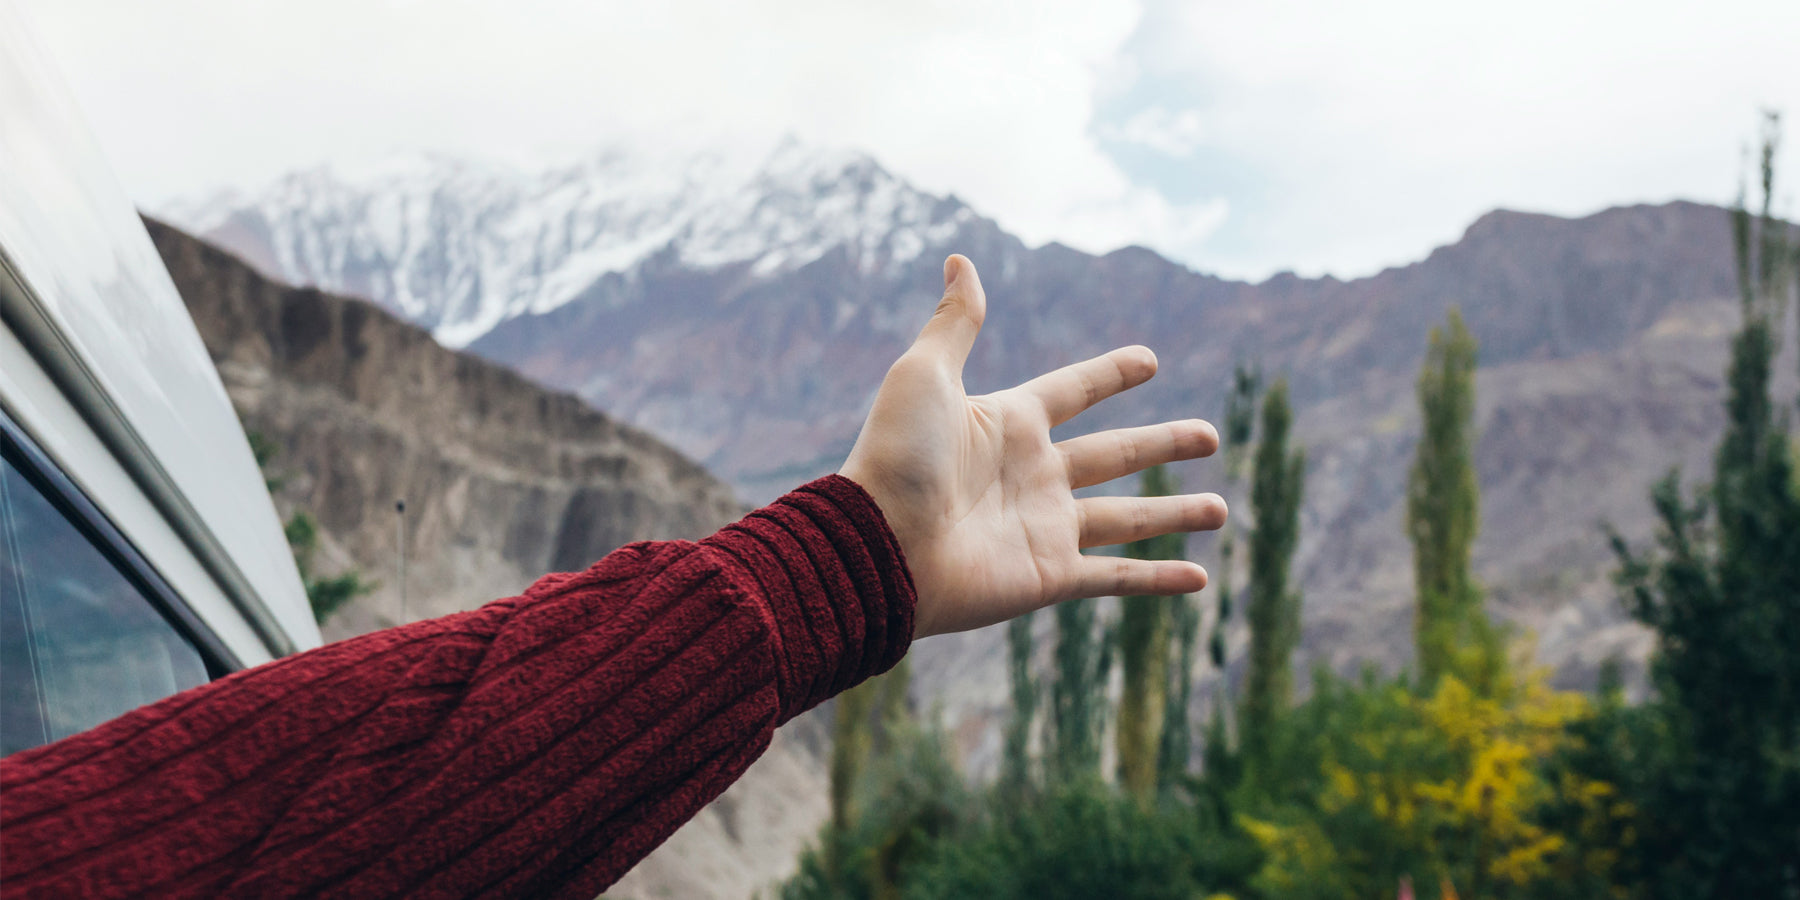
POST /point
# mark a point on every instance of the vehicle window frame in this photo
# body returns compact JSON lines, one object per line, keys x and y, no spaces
{"x":36,"y":467}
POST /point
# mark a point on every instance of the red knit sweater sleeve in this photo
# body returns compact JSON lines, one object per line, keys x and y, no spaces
{"x":535,"y":747}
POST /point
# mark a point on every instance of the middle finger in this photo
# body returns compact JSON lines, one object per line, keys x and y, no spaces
{"x":1098,"y":458}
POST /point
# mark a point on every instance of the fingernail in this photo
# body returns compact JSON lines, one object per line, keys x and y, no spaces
{"x":950,"y":268}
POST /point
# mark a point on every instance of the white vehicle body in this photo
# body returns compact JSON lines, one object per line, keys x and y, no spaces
{"x":115,"y":416}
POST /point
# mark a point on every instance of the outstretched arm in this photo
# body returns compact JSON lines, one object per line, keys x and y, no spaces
{"x":536,"y":747}
{"x":542,"y":744}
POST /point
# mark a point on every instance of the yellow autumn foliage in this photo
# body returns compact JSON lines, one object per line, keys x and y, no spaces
{"x":1442,"y":787}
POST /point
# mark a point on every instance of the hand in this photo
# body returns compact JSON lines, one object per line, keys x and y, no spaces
{"x":979,"y":497}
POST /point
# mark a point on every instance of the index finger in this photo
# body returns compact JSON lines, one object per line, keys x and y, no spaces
{"x":1071,"y":389}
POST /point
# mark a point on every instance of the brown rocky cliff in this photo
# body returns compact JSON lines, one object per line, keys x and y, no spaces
{"x":503,"y":481}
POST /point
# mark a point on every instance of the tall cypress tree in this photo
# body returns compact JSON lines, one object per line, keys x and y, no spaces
{"x":1451,"y":630}
{"x":1719,"y":785}
{"x":868,"y":721}
{"x":1144,"y":626}
{"x":893,"y":706}
{"x":1234,"y":441}
{"x":1178,"y":727}
{"x":1015,"y":764}
{"x":1275,"y":491}
{"x":850,"y":745}
{"x":1240,"y":427}
{"x":1083,"y":660}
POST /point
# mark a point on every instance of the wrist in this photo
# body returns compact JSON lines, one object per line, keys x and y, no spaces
{"x":913,"y":551}
{"x":835,"y":584}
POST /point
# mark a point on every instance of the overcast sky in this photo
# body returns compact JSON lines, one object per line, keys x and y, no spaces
{"x":1240,"y":138}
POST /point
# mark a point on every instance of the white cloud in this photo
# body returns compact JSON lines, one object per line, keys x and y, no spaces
{"x":1169,"y":133}
{"x":1340,"y":137}
{"x":1380,"y":129}
{"x":992,"y":102}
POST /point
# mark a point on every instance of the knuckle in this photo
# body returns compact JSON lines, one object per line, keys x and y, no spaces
{"x":1071,"y":464}
{"x":974,"y":308}
{"x":1090,"y":388}
{"x":1118,"y":374}
{"x":1128,"y":451}
{"x":948,"y":306}
{"x":1174,"y":441}
{"x":955,"y":308}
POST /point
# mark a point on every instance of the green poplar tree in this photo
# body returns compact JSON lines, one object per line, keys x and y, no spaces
{"x":1178,"y":728}
{"x":870,"y":723}
{"x":1275,"y":490}
{"x":1451,"y":630}
{"x":1015,"y":764}
{"x":1083,"y":660}
{"x":1144,"y":656}
{"x":893,"y":706}
{"x":850,"y":746}
{"x":1240,"y":427}
{"x":1718,"y":773}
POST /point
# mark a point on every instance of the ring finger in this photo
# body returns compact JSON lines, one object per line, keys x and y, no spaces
{"x":1119,"y":520}
{"x":1098,"y":458}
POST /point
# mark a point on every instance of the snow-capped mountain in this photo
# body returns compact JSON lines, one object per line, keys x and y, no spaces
{"x":461,"y":246}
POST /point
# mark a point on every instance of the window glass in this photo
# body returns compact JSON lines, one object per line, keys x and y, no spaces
{"x":79,"y":642}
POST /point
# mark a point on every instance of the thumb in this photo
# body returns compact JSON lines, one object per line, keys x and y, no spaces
{"x":951,"y":332}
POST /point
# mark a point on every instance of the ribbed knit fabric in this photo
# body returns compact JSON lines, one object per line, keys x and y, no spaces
{"x":535,"y":747}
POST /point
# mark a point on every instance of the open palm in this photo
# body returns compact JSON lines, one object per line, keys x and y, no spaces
{"x":982,"y":501}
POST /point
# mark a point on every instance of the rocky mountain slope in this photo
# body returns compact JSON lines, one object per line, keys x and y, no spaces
{"x":503,"y":481}
{"x":1602,"y":351}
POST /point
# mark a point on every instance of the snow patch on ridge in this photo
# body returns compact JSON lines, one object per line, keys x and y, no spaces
{"x":461,"y":246}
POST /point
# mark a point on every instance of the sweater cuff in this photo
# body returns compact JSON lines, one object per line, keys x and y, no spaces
{"x":835,"y":583}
